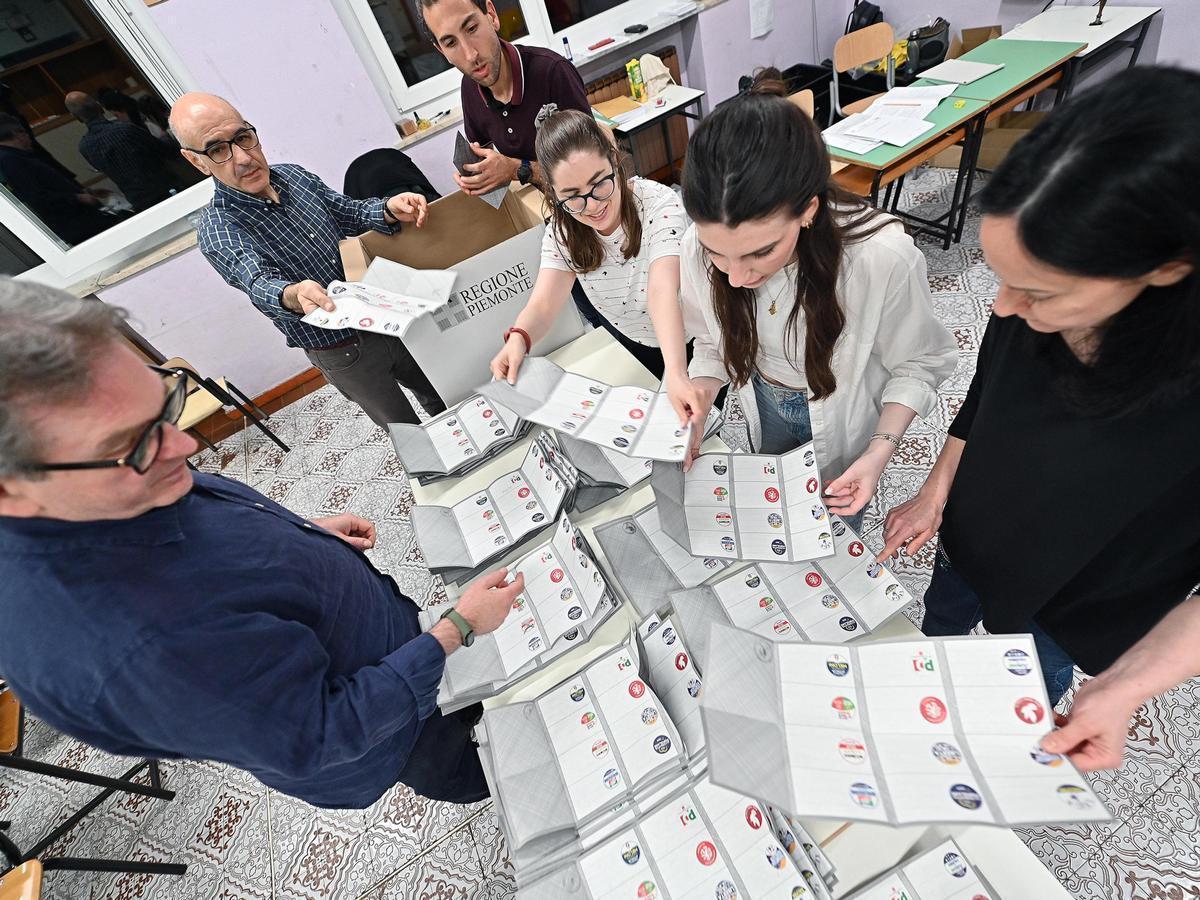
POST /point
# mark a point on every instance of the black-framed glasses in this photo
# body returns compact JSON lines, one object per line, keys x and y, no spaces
{"x":222,"y":151}
{"x":602,"y":190}
{"x":146,"y":447}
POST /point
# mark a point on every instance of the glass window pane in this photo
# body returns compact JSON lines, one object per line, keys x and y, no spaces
{"x":79,"y":170}
{"x":565,"y":13}
{"x":417,"y":57}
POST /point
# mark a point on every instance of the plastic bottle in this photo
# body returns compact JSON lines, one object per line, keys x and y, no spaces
{"x":637,"y":86}
{"x":567,"y":50}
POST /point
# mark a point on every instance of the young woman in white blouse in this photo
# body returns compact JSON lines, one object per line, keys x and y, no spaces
{"x":814,"y":306}
{"x":619,"y":235}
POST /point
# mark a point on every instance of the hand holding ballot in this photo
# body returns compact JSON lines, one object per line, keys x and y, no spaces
{"x":485,"y":605}
{"x":491,"y":171}
{"x":305,"y":297}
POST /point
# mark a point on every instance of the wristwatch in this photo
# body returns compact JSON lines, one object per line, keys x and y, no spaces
{"x":465,"y":631}
{"x":524,"y":171}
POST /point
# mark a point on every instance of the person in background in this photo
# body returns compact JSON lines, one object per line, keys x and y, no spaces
{"x":301,"y":663}
{"x":618,"y":235}
{"x":130,"y":156}
{"x":273,"y":232}
{"x":64,"y":205}
{"x":1067,"y":496}
{"x":815,"y":306}
{"x":123,"y":107}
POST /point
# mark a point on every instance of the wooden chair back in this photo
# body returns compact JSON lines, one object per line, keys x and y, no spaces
{"x":10,"y":721}
{"x":22,"y":883}
{"x":805,"y":100}
{"x":863,"y":46}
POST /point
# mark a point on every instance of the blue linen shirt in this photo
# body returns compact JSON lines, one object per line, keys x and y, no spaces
{"x":261,"y":247}
{"x":220,"y":627}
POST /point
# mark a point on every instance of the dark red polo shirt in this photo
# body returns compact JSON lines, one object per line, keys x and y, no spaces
{"x":543,"y":83}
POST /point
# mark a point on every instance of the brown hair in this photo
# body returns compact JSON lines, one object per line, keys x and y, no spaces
{"x":562,"y":134}
{"x":756,"y":155}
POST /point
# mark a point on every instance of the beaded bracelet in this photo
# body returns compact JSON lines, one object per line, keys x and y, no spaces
{"x":884,"y":436}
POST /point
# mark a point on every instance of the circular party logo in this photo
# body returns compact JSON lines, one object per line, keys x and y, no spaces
{"x":933,"y":710}
{"x":1029,"y":710}
{"x":636,"y":689}
{"x":946,"y":754}
{"x":649,"y":715}
{"x":771,"y":495}
{"x":856,"y":548}
{"x":837,"y":665}
{"x":864,"y":795}
{"x":965,"y":796}
{"x":954,"y":865}
{"x":812,"y":579}
{"x":1017,"y":661}
{"x":706,"y":853}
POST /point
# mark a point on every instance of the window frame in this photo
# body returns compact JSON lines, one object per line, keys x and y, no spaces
{"x":129,"y":24}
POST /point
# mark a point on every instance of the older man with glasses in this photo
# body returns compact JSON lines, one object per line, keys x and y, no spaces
{"x":154,"y":611}
{"x":273,"y":232}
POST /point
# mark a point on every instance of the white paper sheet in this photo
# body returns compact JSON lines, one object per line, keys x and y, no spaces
{"x":896,"y":130}
{"x":961,"y":71}
{"x":837,"y":135}
{"x":942,"y":873}
{"x":762,"y":17}
{"x":365,"y":308}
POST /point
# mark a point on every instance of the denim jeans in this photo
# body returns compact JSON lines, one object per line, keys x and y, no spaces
{"x":952,"y":607}
{"x":785,"y":424}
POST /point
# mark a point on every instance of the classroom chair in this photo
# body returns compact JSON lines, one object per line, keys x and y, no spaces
{"x":208,"y":395}
{"x":805,"y":100}
{"x":857,"y":49}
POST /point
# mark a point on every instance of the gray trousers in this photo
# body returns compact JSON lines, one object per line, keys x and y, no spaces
{"x":370,"y":372}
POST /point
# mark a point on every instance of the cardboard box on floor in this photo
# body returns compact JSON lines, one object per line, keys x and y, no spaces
{"x":496,"y":253}
{"x":999,"y":135}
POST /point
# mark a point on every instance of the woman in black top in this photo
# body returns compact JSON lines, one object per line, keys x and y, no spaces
{"x":1071,"y":476}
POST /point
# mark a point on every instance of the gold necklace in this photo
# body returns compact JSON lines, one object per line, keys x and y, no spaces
{"x":772,"y":309}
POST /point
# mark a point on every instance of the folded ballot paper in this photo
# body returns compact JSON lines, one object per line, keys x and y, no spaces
{"x":457,"y":441}
{"x":942,"y":873}
{"x":815,"y":867}
{"x":458,"y":540}
{"x":834,"y":600}
{"x":746,"y":506}
{"x":935,"y":730}
{"x":388,"y":300}
{"x":647,"y":565}
{"x":463,"y":154}
{"x":566,"y":598}
{"x":633,"y":421}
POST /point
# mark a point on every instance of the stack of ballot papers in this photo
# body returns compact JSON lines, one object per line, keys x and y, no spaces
{"x":815,"y":867}
{"x":633,"y":421}
{"x":388,"y":300}
{"x":456,"y":442}
{"x":464,"y":154}
{"x":566,"y":598}
{"x":897,"y":118}
{"x":943,"y":873}
{"x":646,"y":564}
{"x":961,"y":71}
{"x":458,"y":541}
{"x":936,"y":730}
{"x":605,"y":473}
{"x":835,"y":600}
{"x":746,"y":506}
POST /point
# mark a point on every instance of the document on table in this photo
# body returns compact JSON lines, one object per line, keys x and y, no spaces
{"x":936,"y":730}
{"x":486,"y":524}
{"x":942,"y":873}
{"x":633,"y":421}
{"x":838,"y":135}
{"x":464,"y":434}
{"x":934,"y":92}
{"x":706,"y":842}
{"x":961,"y":71}
{"x":465,"y":154}
{"x":746,"y":506}
{"x":676,"y":682}
{"x":365,"y":308}
{"x":833,"y":600}
{"x":897,"y":130}
{"x":646,"y":563}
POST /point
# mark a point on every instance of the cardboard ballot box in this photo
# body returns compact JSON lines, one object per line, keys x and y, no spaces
{"x":496,"y":253}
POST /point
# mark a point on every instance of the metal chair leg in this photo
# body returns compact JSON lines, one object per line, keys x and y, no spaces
{"x":75,"y":864}
{"x":225,"y":397}
{"x":203,"y":440}
{"x":248,"y":401}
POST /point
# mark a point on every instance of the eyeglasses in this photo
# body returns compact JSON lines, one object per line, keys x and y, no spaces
{"x":145,"y":449}
{"x":222,"y":151}
{"x":602,"y":191}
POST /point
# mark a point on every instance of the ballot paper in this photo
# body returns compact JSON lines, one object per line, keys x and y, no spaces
{"x":456,"y":441}
{"x":646,"y":564}
{"x":935,"y":730}
{"x":838,"y":135}
{"x":836,"y":599}
{"x":565,"y":599}
{"x":464,"y":154}
{"x":934,"y":92}
{"x":672,"y":673}
{"x":791,"y":837}
{"x":633,"y":421}
{"x":943,"y":873}
{"x":366,"y":308}
{"x":570,"y":757}
{"x":746,"y":506}
{"x":706,"y":842}
{"x":891,"y":128}
{"x":456,"y":540}
{"x":960,"y":71}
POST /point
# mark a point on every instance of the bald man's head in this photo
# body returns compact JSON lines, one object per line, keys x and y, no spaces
{"x":84,"y":107}
{"x":207,"y":125}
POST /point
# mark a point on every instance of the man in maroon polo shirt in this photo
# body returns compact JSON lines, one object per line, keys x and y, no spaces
{"x":507,"y":90}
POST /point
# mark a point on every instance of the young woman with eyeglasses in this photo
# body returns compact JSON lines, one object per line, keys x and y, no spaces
{"x":619,"y":235}
{"x":815,"y":307}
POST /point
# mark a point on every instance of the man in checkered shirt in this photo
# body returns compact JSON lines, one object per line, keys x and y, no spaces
{"x":273,"y":232}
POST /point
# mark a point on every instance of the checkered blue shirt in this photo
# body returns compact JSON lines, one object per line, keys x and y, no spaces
{"x":261,"y":247}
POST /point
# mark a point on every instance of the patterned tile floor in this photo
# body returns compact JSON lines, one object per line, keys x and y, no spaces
{"x":242,"y":841}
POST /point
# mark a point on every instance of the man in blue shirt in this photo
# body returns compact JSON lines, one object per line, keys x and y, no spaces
{"x":273,"y":232}
{"x":152,"y":611}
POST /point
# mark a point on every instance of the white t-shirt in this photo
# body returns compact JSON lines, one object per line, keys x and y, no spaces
{"x":618,"y":287}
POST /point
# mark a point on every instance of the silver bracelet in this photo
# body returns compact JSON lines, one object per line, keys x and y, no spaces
{"x":884,"y":436}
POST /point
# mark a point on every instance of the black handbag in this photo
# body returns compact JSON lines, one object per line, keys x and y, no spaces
{"x":863,"y":14}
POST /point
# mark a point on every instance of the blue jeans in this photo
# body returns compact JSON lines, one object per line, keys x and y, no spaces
{"x":785,"y":425}
{"x":952,"y":607}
